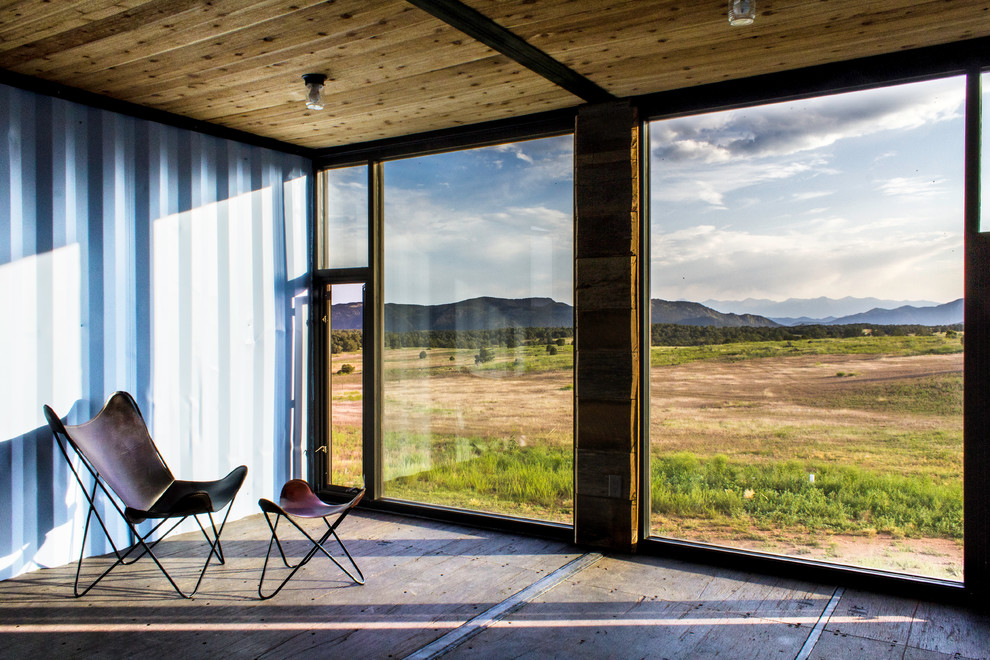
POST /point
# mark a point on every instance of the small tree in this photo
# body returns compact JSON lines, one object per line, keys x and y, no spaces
{"x":485,"y":354}
{"x":346,"y":369}
{"x":552,"y":350}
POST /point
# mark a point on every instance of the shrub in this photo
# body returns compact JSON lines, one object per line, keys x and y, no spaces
{"x":485,"y":354}
{"x":422,"y":355}
{"x":346,"y":369}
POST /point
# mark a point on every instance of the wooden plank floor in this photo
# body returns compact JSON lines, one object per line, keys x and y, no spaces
{"x":431,"y":589}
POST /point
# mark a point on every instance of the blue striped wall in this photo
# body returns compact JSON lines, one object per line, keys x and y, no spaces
{"x":141,"y":257}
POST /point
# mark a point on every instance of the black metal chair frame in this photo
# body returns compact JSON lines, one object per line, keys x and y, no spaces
{"x":195,"y":501}
{"x":317,"y":509}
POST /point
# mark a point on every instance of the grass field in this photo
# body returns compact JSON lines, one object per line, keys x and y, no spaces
{"x":841,"y":449}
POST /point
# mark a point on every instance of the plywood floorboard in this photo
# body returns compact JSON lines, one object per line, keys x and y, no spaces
{"x":426,"y":579}
{"x":649,"y":607}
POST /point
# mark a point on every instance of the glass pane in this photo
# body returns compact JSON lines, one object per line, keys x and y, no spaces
{"x":346,"y":384}
{"x":343,"y":232}
{"x":478,"y":362}
{"x":807,"y":349}
{"x":985,"y":155}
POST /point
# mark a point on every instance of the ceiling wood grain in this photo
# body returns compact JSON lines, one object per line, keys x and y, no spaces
{"x":393,"y":69}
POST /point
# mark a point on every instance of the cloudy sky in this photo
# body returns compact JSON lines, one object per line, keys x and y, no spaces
{"x":858,"y":194}
{"x":495,"y":221}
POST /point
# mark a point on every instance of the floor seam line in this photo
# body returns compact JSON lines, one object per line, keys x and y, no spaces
{"x":816,"y":632}
{"x":476,"y":624}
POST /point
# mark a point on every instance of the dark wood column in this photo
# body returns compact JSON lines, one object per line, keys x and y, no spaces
{"x":607,"y":357}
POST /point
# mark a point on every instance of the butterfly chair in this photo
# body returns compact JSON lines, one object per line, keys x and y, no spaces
{"x":298,"y":500}
{"x":121,"y":458}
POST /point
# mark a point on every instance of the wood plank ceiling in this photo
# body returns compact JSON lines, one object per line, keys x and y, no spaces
{"x":393,"y":69}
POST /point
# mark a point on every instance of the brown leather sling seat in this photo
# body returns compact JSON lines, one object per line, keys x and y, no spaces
{"x":117,"y":451}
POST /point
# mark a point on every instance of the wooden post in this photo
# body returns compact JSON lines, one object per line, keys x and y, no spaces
{"x":607,"y":345}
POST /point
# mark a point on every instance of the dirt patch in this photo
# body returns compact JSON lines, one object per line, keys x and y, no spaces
{"x":777,"y":409}
{"x":939,"y":558}
{"x":520,"y":406}
{"x":758,"y":410}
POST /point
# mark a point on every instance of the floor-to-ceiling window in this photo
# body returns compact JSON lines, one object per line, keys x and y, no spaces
{"x":806,"y":359}
{"x":477,"y":368}
{"x":343,"y":257}
{"x":985,"y":168}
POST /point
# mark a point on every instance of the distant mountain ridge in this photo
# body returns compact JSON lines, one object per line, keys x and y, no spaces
{"x":682,"y":312}
{"x":948,"y":314}
{"x":346,"y":316}
{"x":810,"y":310}
{"x":489,"y":313}
{"x":485,"y":313}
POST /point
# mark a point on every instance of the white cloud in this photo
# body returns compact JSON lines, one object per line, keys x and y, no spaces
{"x":454,"y":248}
{"x":789,"y":128}
{"x":767,"y":203}
{"x":809,"y":195}
{"x":711,"y":184}
{"x":831,"y":257}
{"x":915,"y":188}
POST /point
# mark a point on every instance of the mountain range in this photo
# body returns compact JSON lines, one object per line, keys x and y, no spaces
{"x":487,"y":313}
{"x":830,"y":311}
{"x":682,"y":312}
{"x":947,"y":314}
{"x":810,"y":309}
{"x":484,"y":313}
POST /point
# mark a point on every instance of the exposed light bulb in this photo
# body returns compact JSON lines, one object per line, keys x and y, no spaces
{"x":314,"y":100}
{"x":314,"y":83}
{"x":742,"y":12}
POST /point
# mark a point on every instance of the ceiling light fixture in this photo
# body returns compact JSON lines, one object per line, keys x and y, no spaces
{"x":314,"y":83}
{"x":742,"y":12}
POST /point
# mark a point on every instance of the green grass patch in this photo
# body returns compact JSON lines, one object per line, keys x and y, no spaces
{"x":939,"y":395}
{"x":494,"y":475}
{"x":781,"y":495}
{"x":933,"y":453}
{"x":665,"y":356}
{"x":346,"y":468}
{"x":531,"y":358}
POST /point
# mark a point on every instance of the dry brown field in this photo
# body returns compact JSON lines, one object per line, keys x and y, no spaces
{"x":756,"y":410}
{"x":776,"y":409}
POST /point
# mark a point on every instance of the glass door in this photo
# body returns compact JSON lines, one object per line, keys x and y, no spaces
{"x":346,"y":376}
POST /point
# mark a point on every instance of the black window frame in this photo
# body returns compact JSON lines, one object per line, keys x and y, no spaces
{"x":376,"y":155}
{"x":969,"y":59}
{"x":320,"y":441}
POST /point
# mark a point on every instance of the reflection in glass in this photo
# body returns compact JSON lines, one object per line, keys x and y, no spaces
{"x":478,"y":360}
{"x":807,"y":347}
{"x":343,"y":221}
{"x":985,"y":155}
{"x":346,"y":384}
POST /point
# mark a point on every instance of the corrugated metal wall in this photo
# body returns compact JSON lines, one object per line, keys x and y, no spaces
{"x":140,"y":257}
